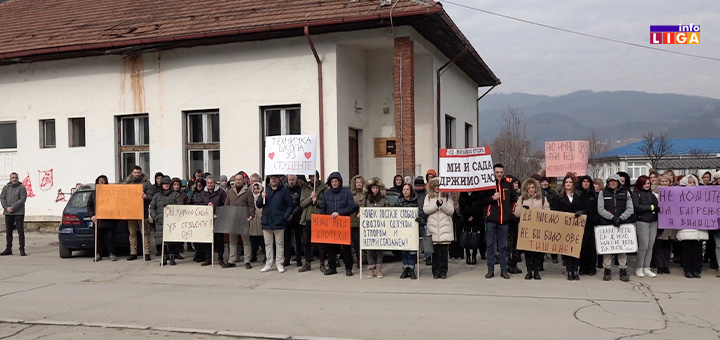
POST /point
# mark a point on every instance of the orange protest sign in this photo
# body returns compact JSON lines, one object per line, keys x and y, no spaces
{"x":325,"y":229}
{"x":119,"y":201}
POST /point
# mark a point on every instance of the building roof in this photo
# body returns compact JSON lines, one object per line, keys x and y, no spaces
{"x":684,"y":146}
{"x":34,"y":30}
{"x":690,"y":163}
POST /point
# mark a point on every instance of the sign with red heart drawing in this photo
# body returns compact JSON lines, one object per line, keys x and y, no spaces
{"x":290,"y":155}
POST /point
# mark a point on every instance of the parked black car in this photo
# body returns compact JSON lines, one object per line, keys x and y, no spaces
{"x":76,"y":229}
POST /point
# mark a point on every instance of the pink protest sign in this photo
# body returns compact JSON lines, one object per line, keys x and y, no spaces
{"x":689,"y":207}
{"x":562,"y":157}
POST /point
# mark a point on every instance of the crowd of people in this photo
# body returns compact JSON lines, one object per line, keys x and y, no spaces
{"x":453,"y":225}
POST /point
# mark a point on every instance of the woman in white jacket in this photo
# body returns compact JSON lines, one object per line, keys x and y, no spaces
{"x":439,"y":207}
{"x":531,"y":198}
{"x":692,"y":240}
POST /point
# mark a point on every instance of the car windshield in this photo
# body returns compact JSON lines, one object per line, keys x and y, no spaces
{"x":79,"y":199}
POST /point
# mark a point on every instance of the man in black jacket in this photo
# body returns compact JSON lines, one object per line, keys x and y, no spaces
{"x":293,"y":227}
{"x":615,"y":207}
{"x":498,"y":215}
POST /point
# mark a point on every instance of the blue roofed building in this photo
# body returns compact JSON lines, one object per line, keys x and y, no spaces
{"x":686,"y":156}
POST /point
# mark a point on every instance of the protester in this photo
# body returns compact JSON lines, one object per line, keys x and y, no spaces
{"x":549,"y":193}
{"x":338,"y":201}
{"x":397,"y":184}
{"x":426,"y":245}
{"x":223,"y":183}
{"x":663,"y":243}
{"x":513,"y":225}
{"x":105,"y":228}
{"x":155,"y":233}
{"x":375,"y":196}
{"x":499,"y":213}
{"x":624,"y":180}
{"x":706,"y":178}
{"x":357,"y":185}
{"x":716,"y":178}
{"x":439,"y":207}
{"x":615,"y":208}
{"x":588,"y":252}
{"x":645,"y":205}
{"x":257,"y":241}
{"x":12,"y":198}
{"x":570,"y":200}
{"x":195,"y":190}
{"x":293,"y":227}
{"x":472,"y":222}
{"x":138,"y":177}
{"x":531,"y":198}
{"x":598,"y":185}
{"x":672,"y":175}
{"x":653,"y":176}
{"x":409,"y":200}
{"x":311,"y":198}
{"x":691,"y":240}
{"x":177,"y":186}
{"x":215,"y":198}
{"x":277,"y":205}
{"x":241,"y":196}
{"x":429,"y":175}
{"x":157,"y":212}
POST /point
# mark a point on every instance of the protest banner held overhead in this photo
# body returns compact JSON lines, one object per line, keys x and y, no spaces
{"x":562,"y":157}
{"x":188,"y":223}
{"x":389,"y":229}
{"x":290,"y":155}
{"x":691,"y":207}
{"x":466,"y":169}
{"x":616,"y":240}
{"x":119,"y":202}
{"x":326,"y":229}
{"x":548,"y":231}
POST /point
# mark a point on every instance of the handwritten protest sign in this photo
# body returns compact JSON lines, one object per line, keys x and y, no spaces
{"x":188,"y":223}
{"x":692,"y":207}
{"x":389,"y":228}
{"x":119,"y":202}
{"x":466,"y":169}
{"x":231,"y":220}
{"x":326,"y":229}
{"x":290,"y":155}
{"x":616,"y":240}
{"x":548,"y":231}
{"x":566,"y":156}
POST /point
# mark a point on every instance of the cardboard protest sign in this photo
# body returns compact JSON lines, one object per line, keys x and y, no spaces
{"x":232,"y":220}
{"x":119,"y":202}
{"x":466,"y":169}
{"x":326,"y":229}
{"x":389,"y":228}
{"x":548,"y":231}
{"x":615,"y":240}
{"x":695,"y":207}
{"x":566,"y":156}
{"x":188,"y":223}
{"x":290,"y":155}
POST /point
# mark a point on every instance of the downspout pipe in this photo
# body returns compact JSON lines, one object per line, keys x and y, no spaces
{"x":477,"y":113}
{"x":439,"y":111}
{"x":320,"y":103}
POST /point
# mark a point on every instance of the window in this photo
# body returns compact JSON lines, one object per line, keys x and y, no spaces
{"x":8,"y":135}
{"x":203,"y":141}
{"x":76,"y":127}
{"x":134,"y":143}
{"x":281,"y":121}
{"x":47,"y":133}
{"x":468,"y":135}
{"x":637,"y":169}
{"x":449,"y":132}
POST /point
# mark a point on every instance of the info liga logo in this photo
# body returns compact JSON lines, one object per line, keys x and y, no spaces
{"x":680,"y":34}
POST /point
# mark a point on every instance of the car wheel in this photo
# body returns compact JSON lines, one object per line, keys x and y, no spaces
{"x":64,"y":252}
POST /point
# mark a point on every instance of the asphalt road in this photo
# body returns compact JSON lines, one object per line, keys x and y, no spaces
{"x":43,"y":296}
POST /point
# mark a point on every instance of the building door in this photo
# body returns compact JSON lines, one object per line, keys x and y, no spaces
{"x":354,"y":152}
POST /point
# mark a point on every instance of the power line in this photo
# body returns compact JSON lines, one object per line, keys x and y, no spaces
{"x":580,"y":33}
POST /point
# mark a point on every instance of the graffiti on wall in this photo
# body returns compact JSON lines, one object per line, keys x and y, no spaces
{"x":28,"y":186}
{"x":61,"y":195}
{"x":46,"y":179}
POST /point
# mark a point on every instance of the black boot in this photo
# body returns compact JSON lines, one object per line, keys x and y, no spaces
{"x":536,"y":276}
{"x":529,"y":275}
{"x":607,"y":275}
{"x":8,"y":251}
{"x":467,"y":260}
{"x":22,"y":251}
{"x":624,"y":275}
{"x":405,"y":274}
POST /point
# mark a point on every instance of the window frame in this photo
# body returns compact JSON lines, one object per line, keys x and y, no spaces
{"x":10,"y":122}
{"x":285,"y":129}
{"x":72,"y":134}
{"x":138,"y":149}
{"x":206,"y":145}
{"x":468,"y":135}
{"x":43,"y":133}
{"x":450,"y":130}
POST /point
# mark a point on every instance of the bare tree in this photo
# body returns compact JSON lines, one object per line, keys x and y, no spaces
{"x":597,"y":145}
{"x":698,"y":153}
{"x":513,"y":149}
{"x":655,"y":147}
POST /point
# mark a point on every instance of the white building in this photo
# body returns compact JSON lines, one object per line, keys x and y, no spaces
{"x":91,"y":88}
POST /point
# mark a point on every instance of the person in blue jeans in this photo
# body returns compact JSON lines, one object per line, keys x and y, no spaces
{"x":499,"y":213}
{"x":409,"y":258}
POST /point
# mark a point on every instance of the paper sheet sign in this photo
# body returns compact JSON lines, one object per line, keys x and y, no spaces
{"x":389,"y":228}
{"x":325,"y":229}
{"x":566,"y":156}
{"x":119,"y":202}
{"x":616,"y":240}
{"x":290,"y":155}
{"x":466,"y":169}
{"x":692,"y":207}
{"x":553,"y":232}
{"x":188,"y":223}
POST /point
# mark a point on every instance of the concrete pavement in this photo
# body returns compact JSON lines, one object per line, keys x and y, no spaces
{"x":56,"y":296}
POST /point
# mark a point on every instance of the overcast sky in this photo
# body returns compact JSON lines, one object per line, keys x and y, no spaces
{"x":533,"y":59}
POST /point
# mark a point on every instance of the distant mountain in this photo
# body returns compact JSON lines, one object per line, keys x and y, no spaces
{"x":621,"y":116}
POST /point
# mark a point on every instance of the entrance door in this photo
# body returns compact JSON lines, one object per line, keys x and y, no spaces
{"x":354,"y":152}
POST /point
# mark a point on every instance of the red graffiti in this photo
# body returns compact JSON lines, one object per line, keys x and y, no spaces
{"x":28,"y":186}
{"x":60,"y":196}
{"x":46,"y":179}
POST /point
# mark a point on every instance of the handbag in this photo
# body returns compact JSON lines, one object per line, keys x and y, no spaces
{"x":469,"y":240}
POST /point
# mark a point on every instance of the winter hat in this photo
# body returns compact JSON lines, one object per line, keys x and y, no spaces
{"x":716,"y":176}
{"x":223,"y":178}
{"x":165,"y":180}
{"x":159,"y":174}
{"x":614,"y":177}
{"x":419,"y":180}
{"x":302,"y":177}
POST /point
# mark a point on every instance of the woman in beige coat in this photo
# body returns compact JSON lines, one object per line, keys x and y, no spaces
{"x":531,"y":198}
{"x":439,"y":207}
